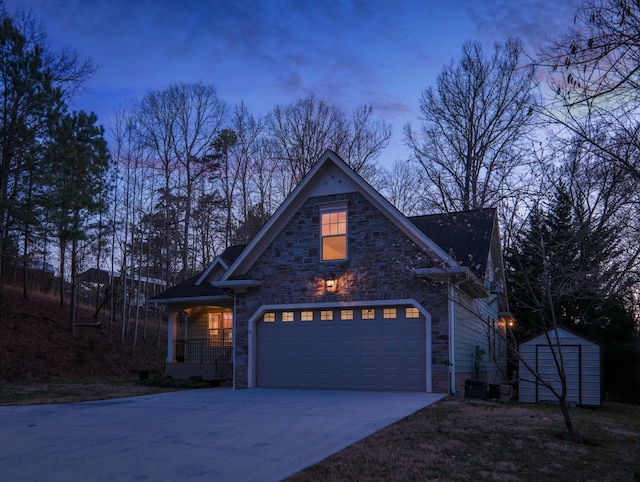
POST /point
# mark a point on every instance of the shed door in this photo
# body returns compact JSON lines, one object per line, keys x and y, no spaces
{"x":546,"y":366}
{"x":313,"y":351}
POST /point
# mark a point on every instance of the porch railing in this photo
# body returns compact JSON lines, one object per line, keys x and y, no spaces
{"x":204,"y":351}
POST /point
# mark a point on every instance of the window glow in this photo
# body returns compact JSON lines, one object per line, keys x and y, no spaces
{"x":326,"y":315}
{"x":389,"y":313}
{"x":412,"y":312}
{"x":334,"y":235}
{"x":215,"y":328}
{"x":368,"y":314}
{"x":227,"y":328}
{"x":346,"y":314}
{"x":287,"y":316}
{"x":269,"y":317}
{"x":220,"y":326}
{"x":306,"y":316}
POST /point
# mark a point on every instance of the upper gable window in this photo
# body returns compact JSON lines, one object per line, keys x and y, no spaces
{"x":334,"y":234}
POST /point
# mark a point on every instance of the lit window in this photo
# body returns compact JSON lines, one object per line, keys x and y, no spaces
{"x":334,"y":235}
{"x":215,"y":329}
{"x":368,"y":314}
{"x":287,"y":316}
{"x":326,"y":315}
{"x":227,"y":328}
{"x":412,"y":312}
{"x":389,"y":313}
{"x":306,"y":316}
{"x":269,"y":317}
{"x":346,"y":314}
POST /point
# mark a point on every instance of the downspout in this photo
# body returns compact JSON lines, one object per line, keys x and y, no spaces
{"x":452,"y":351}
{"x":233,"y":343}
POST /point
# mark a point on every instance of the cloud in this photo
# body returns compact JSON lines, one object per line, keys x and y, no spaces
{"x":534,"y":21}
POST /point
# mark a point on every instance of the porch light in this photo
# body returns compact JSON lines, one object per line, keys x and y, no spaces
{"x":508,"y":321}
{"x":331,"y":282}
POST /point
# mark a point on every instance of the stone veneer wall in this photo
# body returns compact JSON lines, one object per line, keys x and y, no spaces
{"x":379,"y":267}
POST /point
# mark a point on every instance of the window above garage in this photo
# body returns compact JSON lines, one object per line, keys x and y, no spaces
{"x":333,"y":232}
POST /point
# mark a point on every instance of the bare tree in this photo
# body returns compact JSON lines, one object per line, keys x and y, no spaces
{"x":364,"y":140}
{"x":250,"y":132}
{"x":474,"y":126}
{"x":402,"y":187}
{"x":594,"y":74}
{"x":301,"y":131}
{"x":178,"y":126}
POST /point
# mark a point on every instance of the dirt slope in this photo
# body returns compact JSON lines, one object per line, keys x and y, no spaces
{"x":36,"y":343}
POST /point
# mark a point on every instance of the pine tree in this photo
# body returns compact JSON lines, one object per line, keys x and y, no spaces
{"x":77,"y":165}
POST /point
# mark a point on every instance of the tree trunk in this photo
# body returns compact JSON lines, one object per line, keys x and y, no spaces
{"x":74,"y":291}
{"x":63,"y":248}
{"x":573,"y":436}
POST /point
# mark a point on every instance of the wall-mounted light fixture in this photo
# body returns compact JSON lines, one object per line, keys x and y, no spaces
{"x":330,"y":282}
{"x":508,"y":321}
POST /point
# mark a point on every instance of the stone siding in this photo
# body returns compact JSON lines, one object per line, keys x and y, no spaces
{"x":380,"y":266}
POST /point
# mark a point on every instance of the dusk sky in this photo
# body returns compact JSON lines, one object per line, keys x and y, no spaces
{"x":264,"y":53}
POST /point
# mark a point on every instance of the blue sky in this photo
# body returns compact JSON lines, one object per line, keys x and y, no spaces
{"x":347,"y":52}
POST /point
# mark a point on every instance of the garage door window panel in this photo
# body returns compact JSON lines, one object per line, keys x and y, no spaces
{"x":326,"y":315}
{"x":346,"y":314}
{"x":269,"y":317}
{"x":287,"y":316}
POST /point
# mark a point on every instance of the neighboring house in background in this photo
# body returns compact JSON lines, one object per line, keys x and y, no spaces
{"x":340,"y":290}
{"x":99,"y":281}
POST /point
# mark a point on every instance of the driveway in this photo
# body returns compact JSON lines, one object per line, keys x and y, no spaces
{"x":213,"y":434}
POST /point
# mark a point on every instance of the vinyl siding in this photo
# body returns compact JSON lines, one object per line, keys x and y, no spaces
{"x":582,"y":367}
{"x":471,"y":330}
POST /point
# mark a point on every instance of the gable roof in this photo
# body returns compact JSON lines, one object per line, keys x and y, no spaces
{"x":330,"y":175}
{"x":465,"y":235}
{"x":199,"y":288}
{"x":224,"y":260}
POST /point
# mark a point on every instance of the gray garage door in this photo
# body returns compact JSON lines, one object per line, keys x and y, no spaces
{"x":342,"y":353}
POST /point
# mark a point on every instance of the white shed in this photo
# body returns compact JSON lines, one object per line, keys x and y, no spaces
{"x":582,"y":361}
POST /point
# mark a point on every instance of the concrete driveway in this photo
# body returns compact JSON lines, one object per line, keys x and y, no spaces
{"x":215,"y":434}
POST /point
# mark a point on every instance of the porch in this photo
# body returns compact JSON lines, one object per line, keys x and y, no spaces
{"x":201,"y":343}
{"x":201,"y":358}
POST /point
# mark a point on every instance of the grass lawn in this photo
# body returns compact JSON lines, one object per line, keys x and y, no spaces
{"x":457,"y":439}
{"x":66,"y":391}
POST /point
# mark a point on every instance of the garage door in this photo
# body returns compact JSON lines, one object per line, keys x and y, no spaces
{"x":360,"y":348}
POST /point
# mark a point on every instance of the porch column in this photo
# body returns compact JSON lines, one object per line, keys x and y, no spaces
{"x":171,"y":336}
{"x":452,"y":331}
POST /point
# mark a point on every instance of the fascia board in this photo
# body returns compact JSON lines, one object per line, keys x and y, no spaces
{"x":288,"y":208}
{"x":217,"y":260}
{"x":187,"y":299}
{"x":252,"y":251}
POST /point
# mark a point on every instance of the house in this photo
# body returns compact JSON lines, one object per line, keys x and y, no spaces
{"x":340,"y":290}
{"x":99,"y":281}
{"x":581,"y":359}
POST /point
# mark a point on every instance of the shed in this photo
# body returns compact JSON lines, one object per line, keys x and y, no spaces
{"x":582,"y":361}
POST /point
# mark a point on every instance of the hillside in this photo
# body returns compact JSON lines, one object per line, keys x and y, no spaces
{"x":36,"y":344}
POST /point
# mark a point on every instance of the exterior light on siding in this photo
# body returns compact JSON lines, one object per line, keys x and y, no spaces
{"x":330,"y":282}
{"x":508,"y":321}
